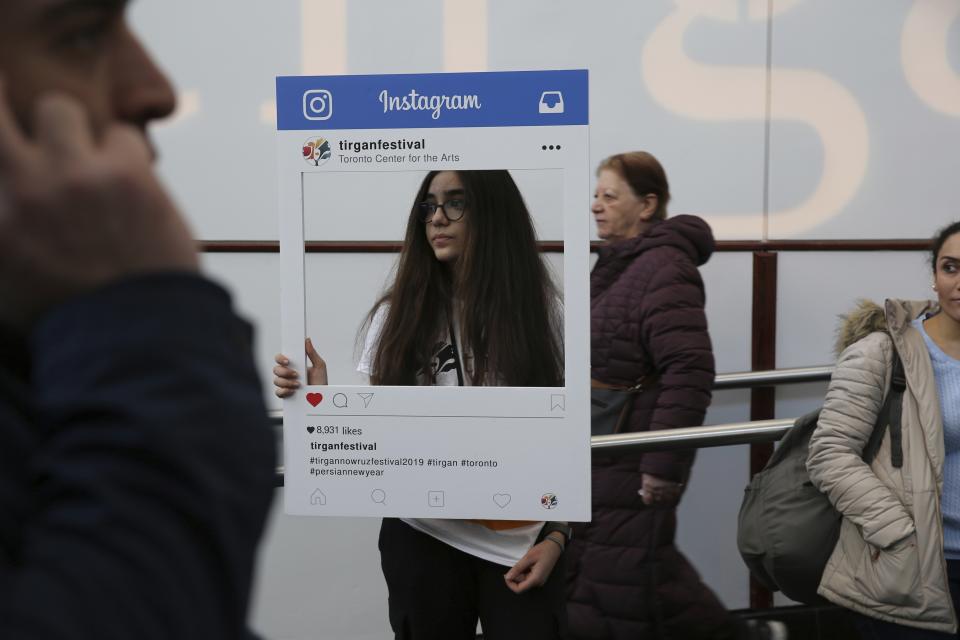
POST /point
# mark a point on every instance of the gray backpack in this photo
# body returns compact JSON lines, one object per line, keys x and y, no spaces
{"x":787,"y":529}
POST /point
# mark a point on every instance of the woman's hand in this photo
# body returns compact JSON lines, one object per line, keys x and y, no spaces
{"x":534,"y":567}
{"x":286,"y":380}
{"x":658,"y":492}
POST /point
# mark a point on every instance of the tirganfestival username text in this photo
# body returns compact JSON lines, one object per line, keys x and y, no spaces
{"x":382,"y":145}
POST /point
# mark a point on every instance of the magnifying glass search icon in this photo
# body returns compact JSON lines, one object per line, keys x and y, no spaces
{"x":379,"y":496}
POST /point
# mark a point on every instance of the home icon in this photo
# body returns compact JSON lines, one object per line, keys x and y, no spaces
{"x":318,"y":498}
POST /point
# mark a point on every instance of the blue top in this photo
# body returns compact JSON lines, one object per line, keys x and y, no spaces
{"x":946,"y":371}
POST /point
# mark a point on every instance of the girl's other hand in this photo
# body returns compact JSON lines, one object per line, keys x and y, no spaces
{"x":534,"y":568}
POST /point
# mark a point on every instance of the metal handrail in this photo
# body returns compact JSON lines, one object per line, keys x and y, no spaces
{"x":747,"y":379}
{"x":718,"y":435}
{"x":723,"y":381}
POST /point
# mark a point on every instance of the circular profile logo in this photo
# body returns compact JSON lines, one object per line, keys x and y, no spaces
{"x":548,"y":501}
{"x":316,"y":151}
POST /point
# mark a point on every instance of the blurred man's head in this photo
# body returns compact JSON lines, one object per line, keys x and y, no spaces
{"x":83,"y":48}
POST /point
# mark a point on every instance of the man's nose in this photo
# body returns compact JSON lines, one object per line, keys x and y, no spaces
{"x":141,"y":91}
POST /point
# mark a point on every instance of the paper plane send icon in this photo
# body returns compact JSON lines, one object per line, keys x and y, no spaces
{"x":366,"y":397}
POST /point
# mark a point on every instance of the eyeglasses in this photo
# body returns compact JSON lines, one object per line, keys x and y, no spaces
{"x":453,"y":210}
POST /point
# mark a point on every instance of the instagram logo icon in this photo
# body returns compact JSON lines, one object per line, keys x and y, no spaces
{"x":317,"y":104}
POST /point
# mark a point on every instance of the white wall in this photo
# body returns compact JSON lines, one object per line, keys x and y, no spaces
{"x":799,"y":119}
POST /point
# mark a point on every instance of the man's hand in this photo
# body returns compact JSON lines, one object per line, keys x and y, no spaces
{"x":534,"y":568}
{"x":78,"y":211}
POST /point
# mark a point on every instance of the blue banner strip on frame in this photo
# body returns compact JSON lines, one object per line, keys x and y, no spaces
{"x":433,"y":100}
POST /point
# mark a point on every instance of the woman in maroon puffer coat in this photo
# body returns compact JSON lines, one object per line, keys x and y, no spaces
{"x":626,"y":577}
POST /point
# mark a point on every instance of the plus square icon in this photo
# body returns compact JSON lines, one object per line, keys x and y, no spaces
{"x":435,"y":498}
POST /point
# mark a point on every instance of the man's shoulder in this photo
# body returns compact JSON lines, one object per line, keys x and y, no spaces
{"x":18,"y":443}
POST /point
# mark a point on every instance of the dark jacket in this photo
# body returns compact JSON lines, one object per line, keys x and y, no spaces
{"x":136,"y":466}
{"x":647,"y":320}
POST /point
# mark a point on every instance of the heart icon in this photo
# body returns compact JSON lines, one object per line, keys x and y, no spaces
{"x":502,"y":499}
{"x":314,"y":398}
{"x":309,"y":429}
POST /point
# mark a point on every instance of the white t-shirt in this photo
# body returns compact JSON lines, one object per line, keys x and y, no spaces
{"x":505,"y":546}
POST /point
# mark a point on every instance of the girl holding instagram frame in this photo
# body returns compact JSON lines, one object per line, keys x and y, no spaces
{"x":472,"y":304}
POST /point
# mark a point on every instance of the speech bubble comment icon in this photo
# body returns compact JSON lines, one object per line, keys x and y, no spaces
{"x":340,"y":400}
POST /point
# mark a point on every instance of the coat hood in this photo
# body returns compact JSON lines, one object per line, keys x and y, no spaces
{"x":690,"y":234}
{"x":868,"y":317}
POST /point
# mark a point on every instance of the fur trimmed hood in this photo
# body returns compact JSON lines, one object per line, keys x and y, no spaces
{"x":868,"y":317}
{"x":857,"y":324}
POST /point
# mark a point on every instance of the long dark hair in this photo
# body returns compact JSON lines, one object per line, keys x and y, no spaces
{"x":507,"y":300}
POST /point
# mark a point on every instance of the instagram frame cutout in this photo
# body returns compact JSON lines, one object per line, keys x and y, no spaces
{"x":510,"y":453}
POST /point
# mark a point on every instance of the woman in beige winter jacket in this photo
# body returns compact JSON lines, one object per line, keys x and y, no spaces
{"x":889,"y":564}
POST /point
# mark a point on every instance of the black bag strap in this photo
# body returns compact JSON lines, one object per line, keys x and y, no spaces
{"x":890,"y":414}
{"x":898,"y":383}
